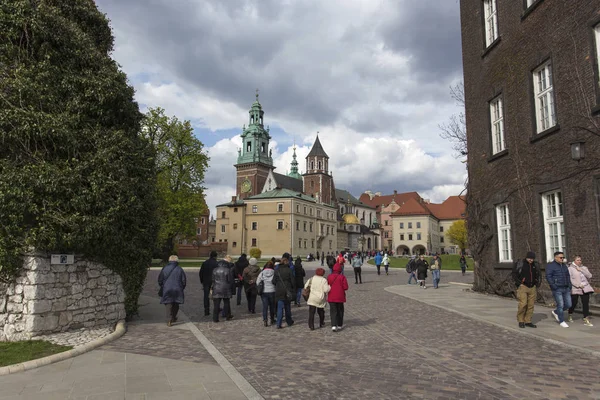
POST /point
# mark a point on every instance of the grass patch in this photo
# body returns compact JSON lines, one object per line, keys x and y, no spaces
{"x":18,"y":352}
{"x":450,"y":262}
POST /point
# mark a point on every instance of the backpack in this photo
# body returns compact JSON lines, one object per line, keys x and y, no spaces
{"x":409,"y":265}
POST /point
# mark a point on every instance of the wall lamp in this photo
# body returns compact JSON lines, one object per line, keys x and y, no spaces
{"x":577,"y":150}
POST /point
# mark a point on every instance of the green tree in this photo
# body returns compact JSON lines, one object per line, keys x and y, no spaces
{"x":457,"y":233}
{"x":75,"y":173}
{"x":180,"y":164}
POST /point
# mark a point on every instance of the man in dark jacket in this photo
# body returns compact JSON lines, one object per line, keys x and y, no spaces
{"x":559,"y":279}
{"x":299,"y":274}
{"x":172,"y":282}
{"x":285,"y":290}
{"x":240,"y":265}
{"x":526,"y":274}
{"x":422,"y":267}
{"x":206,"y":271}
{"x":222,"y":285}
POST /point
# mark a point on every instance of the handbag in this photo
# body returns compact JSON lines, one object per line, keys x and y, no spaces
{"x":306,"y":291}
{"x":260,"y":288}
{"x":289,"y":296}
{"x":160,"y":291}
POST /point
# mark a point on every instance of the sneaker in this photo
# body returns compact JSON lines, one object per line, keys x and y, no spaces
{"x":564,"y":324}
{"x":424,"y":287}
{"x":334,"y":328}
{"x":570,"y":319}
{"x":531,"y":325}
{"x":555,"y":316}
{"x":587,"y":322}
{"x":339,"y":328}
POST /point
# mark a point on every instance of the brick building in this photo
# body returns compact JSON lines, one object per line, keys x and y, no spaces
{"x":532,"y":98}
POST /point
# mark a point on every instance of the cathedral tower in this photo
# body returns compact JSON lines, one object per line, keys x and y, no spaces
{"x":317,"y":180}
{"x":254,"y":158}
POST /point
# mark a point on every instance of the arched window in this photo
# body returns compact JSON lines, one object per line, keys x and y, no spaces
{"x":248,"y":147}
{"x":320,"y":165}
{"x":312,"y":165}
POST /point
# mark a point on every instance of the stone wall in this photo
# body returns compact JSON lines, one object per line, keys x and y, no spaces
{"x":48,"y":298}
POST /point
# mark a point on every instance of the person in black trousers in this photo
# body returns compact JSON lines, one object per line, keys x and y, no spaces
{"x":206,"y":271}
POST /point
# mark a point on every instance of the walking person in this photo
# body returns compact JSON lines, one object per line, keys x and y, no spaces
{"x":205,"y":273}
{"x":223,"y":279}
{"x":463,"y":264}
{"x":378,"y":259}
{"x":386,"y":263}
{"x":527,"y":276}
{"x":357,"y":266}
{"x":411,"y":267}
{"x":285,"y":291}
{"x":559,"y":279}
{"x":435,"y":271}
{"x":240,"y":265}
{"x":422,"y":267}
{"x":299,"y":273}
{"x":330,"y":263}
{"x":317,"y":300}
{"x":268,"y":294}
{"x":337,"y":297}
{"x":250,"y":276}
{"x":322,"y":258}
{"x":172,"y":283}
{"x":581,"y":288}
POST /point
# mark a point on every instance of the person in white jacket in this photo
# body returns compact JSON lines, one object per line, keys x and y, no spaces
{"x":317,"y":300}
{"x":265,"y":279}
{"x":386,"y":263}
{"x":581,"y":288}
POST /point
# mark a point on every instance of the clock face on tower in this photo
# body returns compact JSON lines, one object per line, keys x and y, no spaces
{"x":246,"y":186}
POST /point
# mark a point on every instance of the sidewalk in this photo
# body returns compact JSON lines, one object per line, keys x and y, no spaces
{"x":502,"y":312}
{"x":151,"y":361}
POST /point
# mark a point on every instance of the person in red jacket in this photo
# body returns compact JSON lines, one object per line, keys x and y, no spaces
{"x":337,"y":297}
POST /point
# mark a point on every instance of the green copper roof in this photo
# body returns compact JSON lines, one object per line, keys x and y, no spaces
{"x":281,"y":193}
{"x":255,"y":138}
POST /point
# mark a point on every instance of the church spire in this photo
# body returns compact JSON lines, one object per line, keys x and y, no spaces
{"x":294,"y":170}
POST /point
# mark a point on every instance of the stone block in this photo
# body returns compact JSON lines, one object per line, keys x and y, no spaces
{"x":77,"y":288}
{"x":18,"y":288}
{"x":72,"y":277}
{"x":87,"y":292}
{"x":59,"y":268}
{"x":99,"y":292}
{"x":82,"y":277}
{"x":92,"y":302}
{"x":31,"y":292}
{"x":17,"y":298}
{"x":10,"y":290}
{"x":14,"y":308}
{"x":64,"y":277}
{"x":71,"y":268}
{"x":50,"y":322}
{"x":59,"y":304}
{"x":39,"y":306}
{"x":12,"y":318}
{"x":93,"y":273}
{"x":65,"y":318}
{"x":102,"y":281}
{"x":92,"y":283}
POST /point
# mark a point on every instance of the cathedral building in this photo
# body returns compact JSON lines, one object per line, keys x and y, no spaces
{"x":295,"y":213}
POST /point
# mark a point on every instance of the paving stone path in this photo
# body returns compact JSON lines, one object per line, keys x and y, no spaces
{"x":393,"y":347}
{"x":77,"y":337}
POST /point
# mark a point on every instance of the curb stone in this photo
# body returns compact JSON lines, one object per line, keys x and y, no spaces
{"x":120,"y":329}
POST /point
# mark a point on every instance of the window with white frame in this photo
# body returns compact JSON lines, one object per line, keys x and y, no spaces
{"x":504,"y":237}
{"x":222,"y":228}
{"x":401,"y":236}
{"x":418,"y":236}
{"x":418,"y":225}
{"x":254,"y":209}
{"x":280,"y":207}
{"x":497,"y":119}
{"x":279,"y":225}
{"x":401,"y":225}
{"x":554,"y":226}
{"x":545,"y":115}
{"x":491,"y":21}
{"x":255,"y":226}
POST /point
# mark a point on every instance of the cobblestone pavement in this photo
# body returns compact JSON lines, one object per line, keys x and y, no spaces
{"x":78,"y":337}
{"x":393,"y":347}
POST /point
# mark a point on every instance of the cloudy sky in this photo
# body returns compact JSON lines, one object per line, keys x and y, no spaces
{"x":371,"y":76}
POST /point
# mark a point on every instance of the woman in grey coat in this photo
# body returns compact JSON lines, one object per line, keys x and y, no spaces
{"x":223,"y":287}
{"x":172,"y":283}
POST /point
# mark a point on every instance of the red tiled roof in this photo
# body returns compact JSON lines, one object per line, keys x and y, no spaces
{"x":398,"y":198}
{"x":413,"y":207}
{"x":454,"y":207}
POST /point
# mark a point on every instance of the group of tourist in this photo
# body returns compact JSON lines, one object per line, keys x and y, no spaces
{"x":418,"y":268}
{"x":568,"y":282}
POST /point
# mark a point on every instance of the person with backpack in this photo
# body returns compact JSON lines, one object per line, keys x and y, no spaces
{"x":411,"y":267}
{"x":250,"y":275}
{"x":378,"y":259}
{"x":357,"y":266}
{"x":266,"y":289}
{"x":526,"y":274}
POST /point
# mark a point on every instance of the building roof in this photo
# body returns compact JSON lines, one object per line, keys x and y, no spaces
{"x":454,"y":207}
{"x":280,"y":193}
{"x":317,"y":150}
{"x":377,"y":201}
{"x":288,"y":182}
{"x":343,"y":196}
{"x":232,"y":203}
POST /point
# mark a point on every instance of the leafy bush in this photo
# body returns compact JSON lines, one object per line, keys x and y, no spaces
{"x":255,"y":252}
{"x":75,"y":174}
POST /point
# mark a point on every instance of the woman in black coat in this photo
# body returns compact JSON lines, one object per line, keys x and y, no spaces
{"x":422,"y":267}
{"x":300,"y":274}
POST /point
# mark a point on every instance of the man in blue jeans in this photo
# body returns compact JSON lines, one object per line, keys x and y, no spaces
{"x":285,"y":291}
{"x":559,"y":279}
